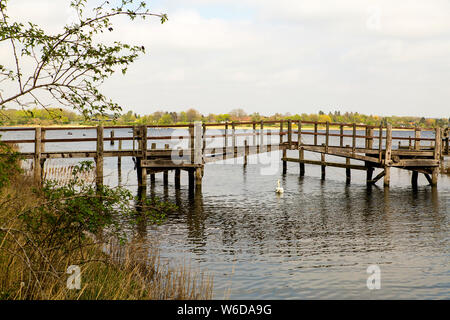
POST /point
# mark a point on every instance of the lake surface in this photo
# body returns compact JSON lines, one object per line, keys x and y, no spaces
{"x":315,"y":241}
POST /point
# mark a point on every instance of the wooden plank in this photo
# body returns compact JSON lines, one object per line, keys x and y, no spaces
{"x":327,"y":163}
{"x":416,"y":163}
{"x":158,"y":163}
{"x":338,"y":152}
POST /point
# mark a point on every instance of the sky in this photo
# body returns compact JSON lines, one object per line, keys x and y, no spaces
{"x":369,"y":56}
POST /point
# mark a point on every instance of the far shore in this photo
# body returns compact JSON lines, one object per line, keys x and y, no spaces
{"x":238,"y":127}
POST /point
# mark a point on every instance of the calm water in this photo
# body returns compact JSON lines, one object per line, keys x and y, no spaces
{"x":313,"y":242}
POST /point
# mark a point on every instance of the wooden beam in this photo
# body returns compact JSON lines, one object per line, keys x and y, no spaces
{"x":326,"y":163}
{"x":37,"y":156}
{"x":378,"y":177}
{"x":99,"y":157}
{"x":387,"y":156}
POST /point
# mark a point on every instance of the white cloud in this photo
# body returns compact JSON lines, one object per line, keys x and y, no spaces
{"x":284,"y":56}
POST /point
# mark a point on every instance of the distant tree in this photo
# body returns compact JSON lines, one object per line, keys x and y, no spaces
{"x":256,"y":116}
{"x":182,"y":117}
{"x":324,"y":118}
{"x":237,"y":114}
{"x":193,"y":115}
{"x":165,"y":119}
{"x":223,"y":117}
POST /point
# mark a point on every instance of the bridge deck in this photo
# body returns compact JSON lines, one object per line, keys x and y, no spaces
{"x":199,"y":144}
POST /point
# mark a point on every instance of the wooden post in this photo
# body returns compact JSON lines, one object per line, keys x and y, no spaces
{"x":380,"y":143}
{"x":119,"y":158}
{"x":245,"y":152}
{"x":370,"y":139}
{"x":119,"y":164}
{"x":447,"y":141}
{"x":387,"y":156}
{"x":417,"y":137}
{"x":204,"y":138}
{"x":261,"y":137}
{"x":284,"y":161}
{"x":414,"y":178}
{"x":99,"y":157}
{"x":327,"y":136}
{"x":191,"y":179}
{"x":354,"y":138}
{"x":177,"y":178}
{"x":225,"y":144}
{"x":166,"y":172}
{"x":112,"y":137}
{"x":143,"y":156}
{"x":281,"y":132}
{"x":315,"y":134}
{"x":42,"y":160}
{"x":369,"y":173}
{"x":198,"y":155}
{"x":254,"y":133}
{"x":302,"y":157}
{"x":37,"y":156}
{"x":152,"y":175}
{"x":191,"y":142}
{"x":233,"y":139}
{"x":437,"y":156}
{"x":299,"y":133}
{"x":322,"y":158}
{"x":369,"y":145}
{"x":289,"y":133}
{"x":348,"y":174}
{"x":341,"y":135}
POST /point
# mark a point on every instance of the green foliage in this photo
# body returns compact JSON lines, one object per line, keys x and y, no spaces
{"x":9,"y":163}
{"x":72,"y":210}
{"x":70,"y":65}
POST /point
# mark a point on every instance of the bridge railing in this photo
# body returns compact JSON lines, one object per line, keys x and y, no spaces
{"x":237,"y":136}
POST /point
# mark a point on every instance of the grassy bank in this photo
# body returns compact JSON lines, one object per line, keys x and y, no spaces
{"x":35,"y":256}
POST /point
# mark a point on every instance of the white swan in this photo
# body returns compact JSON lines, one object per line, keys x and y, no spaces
{"x":279,"y":189}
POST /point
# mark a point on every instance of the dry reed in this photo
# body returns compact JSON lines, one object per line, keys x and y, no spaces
{"x":111,"y":271}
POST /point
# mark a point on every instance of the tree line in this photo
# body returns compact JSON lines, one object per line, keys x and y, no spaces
{"x":59,"y":116}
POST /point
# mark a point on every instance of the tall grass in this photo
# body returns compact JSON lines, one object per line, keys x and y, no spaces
{"x":109,"y":270}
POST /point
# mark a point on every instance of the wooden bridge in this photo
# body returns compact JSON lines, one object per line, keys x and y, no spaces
{"x":191,"y":146}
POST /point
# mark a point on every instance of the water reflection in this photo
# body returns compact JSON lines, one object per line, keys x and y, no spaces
{"x":314,"y":242}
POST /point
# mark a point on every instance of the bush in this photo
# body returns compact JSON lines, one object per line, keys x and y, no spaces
{"x":44,"y":230}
